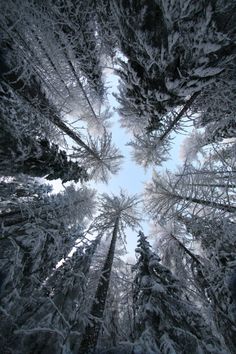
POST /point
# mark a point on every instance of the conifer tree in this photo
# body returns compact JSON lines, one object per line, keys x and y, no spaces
{"x":36,"y":158}
{"x":100,"y":155}
{"x":216,"y":237}
{"x":174,"y":52}
{"x":167,"y":195}
{"x":60,"y":306}
{"x":165,"y":321}
{"x":32,"y":247}
{"x":115,"y":214}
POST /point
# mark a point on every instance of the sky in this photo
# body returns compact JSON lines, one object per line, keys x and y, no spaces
{"x":131,"y":176}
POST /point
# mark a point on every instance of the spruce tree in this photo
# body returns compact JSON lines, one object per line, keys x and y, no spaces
{"x":216,"y":237}
{"x":60,"y":306}
{"x":174,"y":53}
{"x":35,"y":158}
{"x":165,"y":321}
{"x":44,"y":233}
{"x":115,"y":214}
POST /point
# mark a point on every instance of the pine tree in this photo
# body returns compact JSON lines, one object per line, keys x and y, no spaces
{"x":168,"y":195}
{"x":174,"y":53}
{"x":118,"y":320}
{"x":45,"y":232}
{"x":115,"y":214}
{"x":99,"y":155}
{"x":216,"y":237}
{"x":60,"y":306}
{"x":36,"y":158}
{"x":165,"y":321}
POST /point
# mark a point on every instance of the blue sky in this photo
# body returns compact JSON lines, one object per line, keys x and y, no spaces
{"x":131,"y":176}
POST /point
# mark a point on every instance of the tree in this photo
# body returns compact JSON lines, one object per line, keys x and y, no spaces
{"x":177,"y":253}
{"x":118,"y":320}
{"x":116,"y":213}
{"x":43,"y":231}
{"x":106,"y":24}
{"x":169,"y":64}
{"x":78,"y":26}
{"x":74,"y":34}
{"x":37,"y":158}
{"x":74,"y":207}
{"x":165,"y":322}
{"x":148,"y":150}
{"x":59,"y":305}
{"x":105,"y":161}
{"x":166,"y":196}
{"x":216,"y":237}
{"x":100,"y":154}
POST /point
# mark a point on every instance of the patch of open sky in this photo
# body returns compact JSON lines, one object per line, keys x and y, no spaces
{"x":131,"y":177}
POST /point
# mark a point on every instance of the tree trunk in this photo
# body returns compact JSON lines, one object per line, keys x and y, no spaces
{"x":214,"y":185}
{"x":89,"y":342}
{"x":212,"y":204}
{"x":179,"y":116}
{"x":77,"y":77}
{"x":186,"y":250}
{"x":33,"y":94}
{"x":207,"y":173}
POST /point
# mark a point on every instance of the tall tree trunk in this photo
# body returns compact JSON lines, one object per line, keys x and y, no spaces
{"x":33,"y":94}
{"x":179,"y":116}
{"x":212,"y":204}
{"x":89,"y":342}
{"x":71,"y":66}
{"x":215,"y":173}
{"x":186,"y":250}
{"x":214,"y":185}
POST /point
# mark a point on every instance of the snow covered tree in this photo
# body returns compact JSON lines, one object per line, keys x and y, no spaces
{"x":168,"y":195}
{"x":173,"y":52}
{"x":42,"y":234}
{"x":148,"y":150}
{"x":165,"y":321}
{"x":211,"y":175}
{"x":105,"y":26}
{"x":116,"y":213}
{"x":61,"y":310}
{"x":102,"y":159}
{"x":118,"y":321}
{"x":37,"y":158}
{"x":74,"y":35}
{"x":43,"y":230}
{"x":99,"y":154}
{"x":213,"y":138}
{"x":216,"y":238}
{"x":215,"y":104}
{"x":78,"y":26}
{"x":72,"y":207}
{"x":177,"y":252}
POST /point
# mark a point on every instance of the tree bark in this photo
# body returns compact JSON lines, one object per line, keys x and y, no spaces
{"x":212,"y":204}
{"x":214,"y":185}
{"x":206,"y":173}
{"x":179,"y":116}
{"x":89,"y":342}
{"x":33,"y":94}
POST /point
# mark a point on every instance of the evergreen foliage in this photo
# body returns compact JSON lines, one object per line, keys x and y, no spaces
{"x":36,"y":158}
{"x":165,"y":321}
{"x":65,"y":285}
{"x":116,"y":213}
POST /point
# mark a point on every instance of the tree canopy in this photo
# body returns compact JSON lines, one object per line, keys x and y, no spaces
{"x":67,"y":285}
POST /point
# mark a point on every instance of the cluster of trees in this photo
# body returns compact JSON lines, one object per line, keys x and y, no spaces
{"x":64,"y":286}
